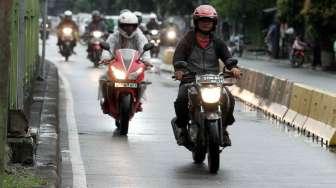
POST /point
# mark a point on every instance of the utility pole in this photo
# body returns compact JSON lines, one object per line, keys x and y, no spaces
{"x":5,"y":58}
{"x":44,"y":22}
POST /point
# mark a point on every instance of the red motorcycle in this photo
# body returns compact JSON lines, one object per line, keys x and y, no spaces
{"x":298,"y":58}
{"x":122,"y":89}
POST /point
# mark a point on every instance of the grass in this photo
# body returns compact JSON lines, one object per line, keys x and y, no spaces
{"x":21,"y":178}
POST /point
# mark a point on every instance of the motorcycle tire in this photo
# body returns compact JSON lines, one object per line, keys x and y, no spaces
{"x":199,"y":154}
{"x":125,"y":109}
{"x":297,"y":61}
{"x":96,"y":58}
{"x":213,"y":146}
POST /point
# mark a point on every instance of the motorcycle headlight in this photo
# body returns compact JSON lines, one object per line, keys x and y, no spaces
{"x":119,"y":74}
{"x":67,"y":31}
{"x":171,"y":35}
{"x":97,"y":34}
{"x":154,"y":32}
{"x":211,"y":94}
{"x":134,"y":75}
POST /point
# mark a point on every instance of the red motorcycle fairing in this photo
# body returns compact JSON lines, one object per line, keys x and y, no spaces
{"x":299,"y":53}
{"x":126,"y":61}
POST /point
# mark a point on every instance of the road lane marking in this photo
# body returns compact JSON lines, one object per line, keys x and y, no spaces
{"x":78,"y":169}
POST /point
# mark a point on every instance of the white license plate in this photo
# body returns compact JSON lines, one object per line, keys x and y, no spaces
{"x":130,"y":85}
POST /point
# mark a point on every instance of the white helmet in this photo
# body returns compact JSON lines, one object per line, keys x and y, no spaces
{"x":127,"y":18}
{"x":152,"y":16}
{"x":68,"y":13}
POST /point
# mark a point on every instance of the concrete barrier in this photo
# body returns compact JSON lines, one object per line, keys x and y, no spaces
{"x":168,"y":55}
{"x":299,"y":105}
{"x":328,"y":114}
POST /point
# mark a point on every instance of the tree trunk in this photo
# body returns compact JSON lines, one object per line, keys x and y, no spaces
{"x":5,"y":22}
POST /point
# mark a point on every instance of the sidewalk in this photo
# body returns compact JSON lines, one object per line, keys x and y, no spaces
{"x":282,"y":69}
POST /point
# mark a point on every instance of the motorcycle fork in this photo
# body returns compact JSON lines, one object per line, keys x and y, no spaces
{"x":219,"y":127}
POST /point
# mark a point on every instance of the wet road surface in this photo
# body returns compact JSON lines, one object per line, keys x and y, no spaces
{"x":264,"y":153}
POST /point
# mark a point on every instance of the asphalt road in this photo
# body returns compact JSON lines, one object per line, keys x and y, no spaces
{"x":264,"y":153}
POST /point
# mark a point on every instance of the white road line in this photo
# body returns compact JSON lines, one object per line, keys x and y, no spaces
{"x":78,"y":169}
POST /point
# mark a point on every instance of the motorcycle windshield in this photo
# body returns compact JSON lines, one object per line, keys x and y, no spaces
{"x":127,"y":56}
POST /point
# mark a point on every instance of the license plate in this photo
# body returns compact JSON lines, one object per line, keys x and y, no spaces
{"x":130,"y":85}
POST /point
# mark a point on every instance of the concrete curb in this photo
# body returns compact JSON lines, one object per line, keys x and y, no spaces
{"x":47,"y":153}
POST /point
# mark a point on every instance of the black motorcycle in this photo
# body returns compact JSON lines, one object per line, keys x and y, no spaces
{"x":67,"y":42}
{"x":154,"y":38}
{"x":95,"y":51}
{"x":207,"y":102}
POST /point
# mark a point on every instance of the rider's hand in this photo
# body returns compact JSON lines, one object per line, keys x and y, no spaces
{"x":105,"y":61}
{"x":179,"y":75}
{"x":236,"y":72}
{"x":148,"y":65}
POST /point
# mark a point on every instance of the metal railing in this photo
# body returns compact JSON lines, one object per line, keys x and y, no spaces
{"x":24,"y":48}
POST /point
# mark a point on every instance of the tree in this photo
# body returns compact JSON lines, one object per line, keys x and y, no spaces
{"x":320,"y":19}
{"x":5,"y":7}
{"x":244,"y":15}
{"x":290,"y":11}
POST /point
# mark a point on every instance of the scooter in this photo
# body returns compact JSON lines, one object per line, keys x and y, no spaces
{"x":236,"y":45}
{"x":120,"y":92}
{"x":298,"y":58}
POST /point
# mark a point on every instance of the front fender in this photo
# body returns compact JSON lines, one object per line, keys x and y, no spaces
{"x":212,"y":115}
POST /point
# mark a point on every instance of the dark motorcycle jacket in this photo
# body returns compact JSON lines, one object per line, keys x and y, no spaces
{"x":100,"y":26}
{"x":202,"y":60}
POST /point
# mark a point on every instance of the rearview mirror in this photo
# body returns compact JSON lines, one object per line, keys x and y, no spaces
{"x":105,"y":45}
{"x":148,"y":46}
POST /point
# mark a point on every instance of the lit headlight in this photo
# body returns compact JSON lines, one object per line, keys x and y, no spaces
{"x":134,"y":75}
{"x":154,"y":32}
{"x":211,"y":94}
{"x":119,"y":74}
{"x":97,"y":34}
{"x":67,"y":31}
{"x":171,"y":35}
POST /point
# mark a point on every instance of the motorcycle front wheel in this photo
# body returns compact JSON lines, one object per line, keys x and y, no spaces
{"x":125,"y":109}
{"x":213,"y":146}
{"x":297,"y":61}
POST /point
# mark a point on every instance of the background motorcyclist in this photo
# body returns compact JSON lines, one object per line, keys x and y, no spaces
{"x":201,"y":50}
{"x":48,"y":28}
{"x":152,"y":23}
{"x":128,"y":36}
{"x":141,"y":26}
{"x":167,"y":37}
{"x":67,"y":22}
{"x":97,"y":23}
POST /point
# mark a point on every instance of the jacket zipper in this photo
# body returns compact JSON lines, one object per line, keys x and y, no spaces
{"x":203,"y":54}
